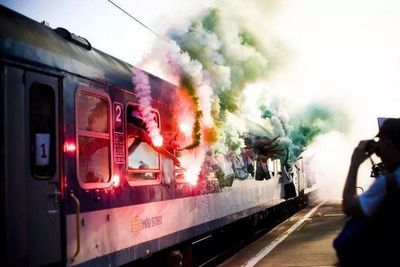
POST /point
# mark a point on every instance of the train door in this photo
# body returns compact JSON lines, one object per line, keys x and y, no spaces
{"x":33,"y":220}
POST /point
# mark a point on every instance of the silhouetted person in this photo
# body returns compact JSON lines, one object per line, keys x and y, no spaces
{"x":247,"y":156}
{"x":262,"y":171}
{"x":370,"y":236}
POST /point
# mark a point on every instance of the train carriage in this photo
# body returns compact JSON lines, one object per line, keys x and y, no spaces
{"x":80,"y":185}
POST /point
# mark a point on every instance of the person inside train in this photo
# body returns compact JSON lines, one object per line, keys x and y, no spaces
{"x":247,"y":156}
{"x":224,"y":171}
{"x":137,"y":134}
{"x":370,"y":236}
{"x":289,"y":189}
{"x":262,"y":171}
{"x":238,"y":166}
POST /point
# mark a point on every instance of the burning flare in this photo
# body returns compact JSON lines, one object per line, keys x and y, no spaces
{"x":192,"y":174}
{"x":185,"y":129}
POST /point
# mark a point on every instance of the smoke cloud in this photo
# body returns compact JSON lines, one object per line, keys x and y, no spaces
{"x":143,"y":90}
{"x":215,"y":57}
{"x":231,"y":62}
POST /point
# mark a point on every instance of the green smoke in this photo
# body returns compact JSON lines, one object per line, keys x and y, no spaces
{"x":301,"y":130}
{"x":265,"y":112}
{"x":227,"y":51}
{"x":230,"y":141}
{"x":316,"y":119}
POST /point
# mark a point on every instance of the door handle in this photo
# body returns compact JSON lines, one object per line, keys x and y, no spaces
{"x":78,"y":235}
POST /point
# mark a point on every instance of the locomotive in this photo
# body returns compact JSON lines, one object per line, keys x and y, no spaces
{"x":80,"y":183}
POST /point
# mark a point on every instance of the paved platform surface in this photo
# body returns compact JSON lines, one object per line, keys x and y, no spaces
{"x":305,"y":239}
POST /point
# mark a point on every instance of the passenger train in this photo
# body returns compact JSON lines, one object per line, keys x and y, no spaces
{"x":80,"y":185}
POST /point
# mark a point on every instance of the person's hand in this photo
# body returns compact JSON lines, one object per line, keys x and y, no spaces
{"x":359,"y":153}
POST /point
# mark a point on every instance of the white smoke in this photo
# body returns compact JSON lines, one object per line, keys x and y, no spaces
{"x":143,"y":92}
{"x":277,"y":127}
{"x":210,"y":46}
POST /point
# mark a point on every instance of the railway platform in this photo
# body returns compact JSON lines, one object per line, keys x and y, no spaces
{"x":305,"y":239}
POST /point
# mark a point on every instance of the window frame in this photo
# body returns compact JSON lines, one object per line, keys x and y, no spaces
{"x":102,"y":95}
{"x":46,"y":172}
{"x":158,"y":172}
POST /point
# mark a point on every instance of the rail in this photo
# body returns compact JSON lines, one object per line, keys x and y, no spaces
{"x":78,"y":235}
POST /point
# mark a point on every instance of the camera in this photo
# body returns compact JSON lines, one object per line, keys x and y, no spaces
{"x":371,"y":147}
{"x":378,"y":169}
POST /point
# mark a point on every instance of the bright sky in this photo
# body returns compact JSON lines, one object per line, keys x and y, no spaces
{"x":345,"y":52}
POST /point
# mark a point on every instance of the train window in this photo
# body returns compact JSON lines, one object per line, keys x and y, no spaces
{"x":143,"y":157}
{"x":42,"y":130}
{"x":93,"y":132}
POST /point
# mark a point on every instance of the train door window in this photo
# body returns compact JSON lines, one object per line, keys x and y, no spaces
{"x":42,"y":130}
{"x":93,"y":134}
{"x":143,"y":157}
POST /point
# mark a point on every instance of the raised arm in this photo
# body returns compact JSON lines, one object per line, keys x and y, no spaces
{"x":135,"y":131}
{"x":351,"y":204}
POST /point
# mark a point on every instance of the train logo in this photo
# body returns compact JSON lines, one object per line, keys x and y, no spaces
{"x":138,"y":224}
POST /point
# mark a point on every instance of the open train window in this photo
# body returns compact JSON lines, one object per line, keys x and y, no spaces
{"x":42,"y":130}
{"x":143,"y":156}
{"x":93,"y":134}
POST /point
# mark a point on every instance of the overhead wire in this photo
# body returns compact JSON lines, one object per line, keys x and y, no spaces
{"x":137,"y":20}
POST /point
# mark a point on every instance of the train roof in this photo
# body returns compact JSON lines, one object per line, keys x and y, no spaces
{"x":27,"y":41}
